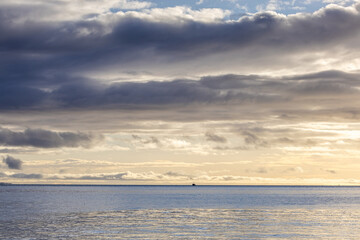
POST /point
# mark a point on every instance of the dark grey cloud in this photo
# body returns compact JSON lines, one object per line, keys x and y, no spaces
{"x":124,"y":95}
{"x":223,"y":89}
{"x":330,"y":74}
{"x":12,"y":163}
{"x":136,"y":94}
{"x":41,"y":138}
{"x":15,"y":97}
{"x":222,"y":97}
{"x":38,"y":55}
{"x":131,"y":34}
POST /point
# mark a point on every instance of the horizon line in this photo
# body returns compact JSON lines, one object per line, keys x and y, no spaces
{"x":175,"y":185}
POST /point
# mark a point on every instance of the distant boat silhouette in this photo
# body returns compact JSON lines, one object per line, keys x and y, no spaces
{"x":193,"y":184}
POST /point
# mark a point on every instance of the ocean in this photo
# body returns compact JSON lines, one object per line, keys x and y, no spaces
{"x":179,"y":212}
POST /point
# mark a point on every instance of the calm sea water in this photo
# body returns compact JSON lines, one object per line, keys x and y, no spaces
{"x":179,"y":212}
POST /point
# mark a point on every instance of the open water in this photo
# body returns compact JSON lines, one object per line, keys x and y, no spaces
{"x":179,"y":212}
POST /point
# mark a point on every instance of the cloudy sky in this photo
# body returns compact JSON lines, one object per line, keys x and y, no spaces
{"x":183,"y":91}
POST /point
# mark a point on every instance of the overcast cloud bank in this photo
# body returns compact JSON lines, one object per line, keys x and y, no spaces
{"x":46,"y":61}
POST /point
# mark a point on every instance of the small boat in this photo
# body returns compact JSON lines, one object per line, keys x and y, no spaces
{"x":193,"y":184}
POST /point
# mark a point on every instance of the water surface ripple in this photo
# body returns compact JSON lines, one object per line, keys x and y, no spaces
{"x":179,"y":213}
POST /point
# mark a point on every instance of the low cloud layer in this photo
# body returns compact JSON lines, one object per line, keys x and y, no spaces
{"x":294,"y":91}
{"x":179,"y":177}
{"x":41,"y":138}
{"x":26,"y":176}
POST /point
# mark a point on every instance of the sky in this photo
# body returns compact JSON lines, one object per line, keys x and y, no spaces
{"x":180,"y":92}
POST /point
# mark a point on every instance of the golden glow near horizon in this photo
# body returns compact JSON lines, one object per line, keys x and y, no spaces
{"x":140,"y":93}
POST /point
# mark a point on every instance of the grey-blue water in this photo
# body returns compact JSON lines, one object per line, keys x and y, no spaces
{"x":179,"y":212}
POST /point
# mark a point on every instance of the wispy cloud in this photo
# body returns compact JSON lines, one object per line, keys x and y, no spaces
{"x":215,"y":138}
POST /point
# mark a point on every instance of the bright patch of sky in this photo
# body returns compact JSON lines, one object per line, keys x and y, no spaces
{"x":239,"y":7}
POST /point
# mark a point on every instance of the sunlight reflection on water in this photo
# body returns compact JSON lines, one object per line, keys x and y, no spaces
{"x":190,"y":224}
{"x":173,"y":212}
